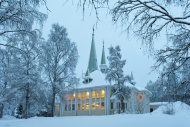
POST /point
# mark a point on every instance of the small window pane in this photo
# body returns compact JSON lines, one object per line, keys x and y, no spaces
{"x":103,"y":93}
{"x":111,"y":105}
{"x":73,"y":96}
{"x":79,"y":108}
{"x":83,"y":106}
{"x":102,"y":104}
{"x":79,"y":96}
{"x":87,"y":106}
{"x":93,"y":94}
{"x":93,"y":105}
{"x":98,"y":94}
{"x":97,"y":105}
{"x":87,"y":95}
{"x":65,"y":107}
{"x":83,"y":96}
{"x":69,"y":107}
{"x":73,"y":106}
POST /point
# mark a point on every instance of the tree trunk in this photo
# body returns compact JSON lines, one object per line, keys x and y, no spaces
{"x":27,"y":94}
{"x":1,"y":110}
{"x":27,"y":101}
{"x":53,"y":100}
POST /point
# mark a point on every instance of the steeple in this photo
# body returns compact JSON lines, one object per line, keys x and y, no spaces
{"x":103,"y":59}
{"x":103,"y":66}
{"x":92,"y":64}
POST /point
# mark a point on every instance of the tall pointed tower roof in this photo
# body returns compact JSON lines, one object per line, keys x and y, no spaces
{"x":103,"y":59}
{"x":92,"y":64}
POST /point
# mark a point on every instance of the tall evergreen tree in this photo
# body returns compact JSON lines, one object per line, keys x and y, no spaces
{"x":116,"y":75}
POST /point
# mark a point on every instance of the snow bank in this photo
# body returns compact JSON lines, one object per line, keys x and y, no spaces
{"x":8,"y":117}
{"x":178,"y":108}
{"x":122,"y":120}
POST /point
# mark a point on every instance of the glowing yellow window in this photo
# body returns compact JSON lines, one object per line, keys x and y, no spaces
{"x":73,"y":96}
{"x":87,"y":95}
{"x":83,"y":106}
{"x":83,"y":96}
{"x":97,"y":105}
{"x":79,"y":107}
{"x":79,"y":96}
{"x":98,"y":94}
{"x":87,"y":106}
{"x":93,"y":94}
{"x":93,"y":105}
{"x":68,"y":98}
{"x":103,"y":93}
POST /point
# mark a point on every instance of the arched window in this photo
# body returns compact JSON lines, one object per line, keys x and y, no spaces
{"x":87,"y":95}
{"x":98,"y":94}
{"x":103,"y":93}
{"x":79,"y":96}
{"x":83,"y":96}
{"x":93,"y":94}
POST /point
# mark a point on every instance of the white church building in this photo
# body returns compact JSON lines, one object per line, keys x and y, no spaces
{"x":94,"y":95}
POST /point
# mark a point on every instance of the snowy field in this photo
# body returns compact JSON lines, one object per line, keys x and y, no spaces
{"x":155,"y":119}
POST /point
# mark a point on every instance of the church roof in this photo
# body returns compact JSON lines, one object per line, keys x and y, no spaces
{"x":98,"y":80}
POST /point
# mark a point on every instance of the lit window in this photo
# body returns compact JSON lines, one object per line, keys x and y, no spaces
{"x":87,"y":95}
{"x":93,"y":105}
{"x":79,"y":96}
{"x":70,"y":97}
{"x":83,"y":106}
{"x":140,"y":97}
{"x":93,"y":94}
{"x":73,"y":96}
{"x":98,"y":94}
{"x":97,"y":105}
{"x":103,"y":93}
{"x":83,"y":96}
{"x":87,"y":106}
{"x":102,"y":104}
{"x":79,"y":107}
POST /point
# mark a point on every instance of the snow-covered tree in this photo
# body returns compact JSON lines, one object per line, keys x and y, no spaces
{"x":20,"y":74}
{"x":59,"y":59}
{"x":116,"y":75}
{"x":19,"y":16}
{"x":19,"y":111}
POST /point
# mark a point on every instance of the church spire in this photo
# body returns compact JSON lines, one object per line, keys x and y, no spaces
{"x":103,"y":59}
{"x":92,"y":64}
{"x":103,"y":66}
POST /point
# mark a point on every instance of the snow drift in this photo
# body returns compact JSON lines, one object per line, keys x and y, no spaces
{"x":173,"y":108}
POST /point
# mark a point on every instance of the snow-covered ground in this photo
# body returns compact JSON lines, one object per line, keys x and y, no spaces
{"x":155,"y":119}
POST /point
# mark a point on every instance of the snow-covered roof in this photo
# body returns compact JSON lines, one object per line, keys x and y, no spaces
{"x":98,"y":79}
{"x":158,"y":103}
{"x":137,"y":88}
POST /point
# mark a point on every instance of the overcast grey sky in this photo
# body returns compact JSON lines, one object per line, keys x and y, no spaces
{"x":80,"y":31}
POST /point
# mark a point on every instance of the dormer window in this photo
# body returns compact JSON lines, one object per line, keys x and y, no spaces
{"x":87,"y":80}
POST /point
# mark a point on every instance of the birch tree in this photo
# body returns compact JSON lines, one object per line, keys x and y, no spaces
{"x":20,"y":16}
{"x":59,"y":59}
